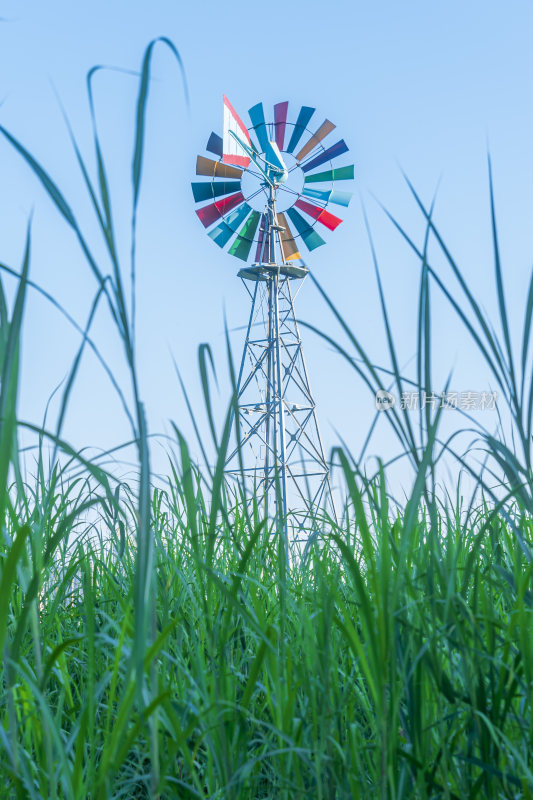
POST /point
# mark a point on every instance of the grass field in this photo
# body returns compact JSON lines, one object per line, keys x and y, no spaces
{"x":155,"y":643}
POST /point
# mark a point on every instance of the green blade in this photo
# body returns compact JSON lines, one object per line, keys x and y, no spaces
{"x":244,"y":239}
{"x":340,"y":174}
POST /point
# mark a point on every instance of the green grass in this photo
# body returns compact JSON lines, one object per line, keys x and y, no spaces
{"x":154,"y":641}
{"x":393,"y":662}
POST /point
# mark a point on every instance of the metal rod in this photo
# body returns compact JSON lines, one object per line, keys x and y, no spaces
{"x":282,"y":461}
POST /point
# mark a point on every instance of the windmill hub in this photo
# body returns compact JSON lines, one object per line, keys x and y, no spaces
{"x":255,"y":190}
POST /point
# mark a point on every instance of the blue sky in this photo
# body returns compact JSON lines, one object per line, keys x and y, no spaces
{"x":423,"y":88}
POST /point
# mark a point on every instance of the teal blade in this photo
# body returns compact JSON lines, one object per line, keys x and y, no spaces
{"x":206,"y":190}
{"x":340,"y":198}
{"x":311,"y":238}
{"x":222,"y":233}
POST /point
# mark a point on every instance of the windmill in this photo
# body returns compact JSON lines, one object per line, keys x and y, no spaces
{"x":267,"y":192}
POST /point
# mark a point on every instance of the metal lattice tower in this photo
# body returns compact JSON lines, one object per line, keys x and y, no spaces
{"x":279,"y":438}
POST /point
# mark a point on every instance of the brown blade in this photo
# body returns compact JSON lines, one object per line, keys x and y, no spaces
{"x":290,"y":248}
{"x":216,"y":169}
{"x":315,"y":139}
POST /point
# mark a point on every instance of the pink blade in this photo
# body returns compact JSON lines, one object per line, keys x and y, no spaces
{"x":213,"y":212}
{"x":280,"y":120}
{"x":320,"y":214}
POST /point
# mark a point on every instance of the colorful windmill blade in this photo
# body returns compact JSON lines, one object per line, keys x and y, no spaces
{"x":295,"y":159}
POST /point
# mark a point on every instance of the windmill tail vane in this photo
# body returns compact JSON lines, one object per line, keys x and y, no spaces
{"x":234,"y":132}
{"x":264,"y":198}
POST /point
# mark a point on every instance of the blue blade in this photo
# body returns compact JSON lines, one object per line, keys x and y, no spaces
{"x":301,"y":124}
{"x":329,"y":154}
{"x":214,"y":145}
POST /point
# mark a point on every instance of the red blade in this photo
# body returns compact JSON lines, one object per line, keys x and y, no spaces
{"x":213,"y":212}
{"x":320,"y":214}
